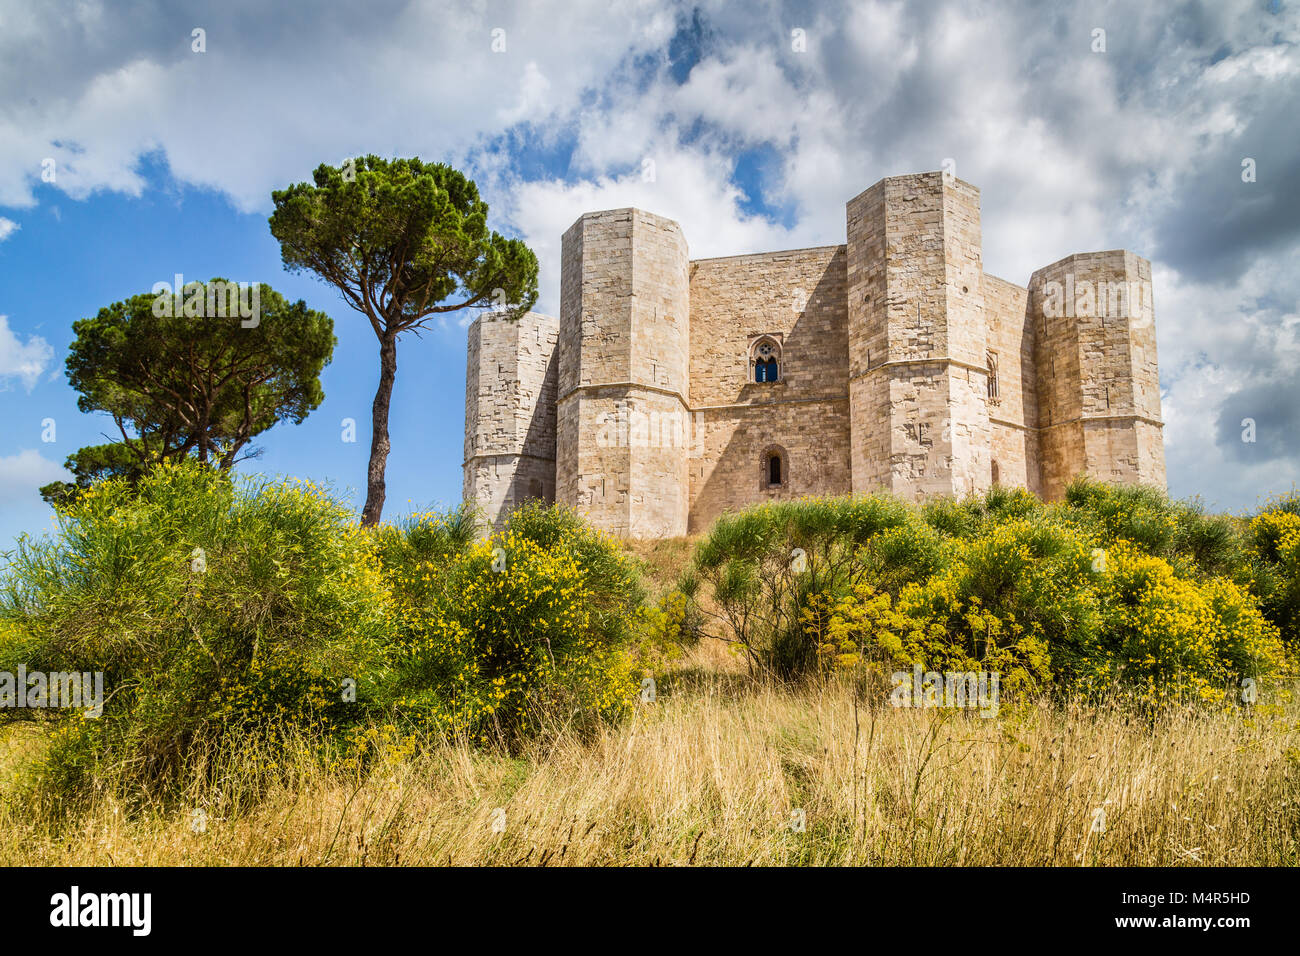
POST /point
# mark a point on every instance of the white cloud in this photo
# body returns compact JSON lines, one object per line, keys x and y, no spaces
{"x":7,"y":228}
{"x":1218,"y":346}
{"x":21,"y":475}
{"x":691,"y":187}
{"x":1073,"y":151}
{"x":295,"y":94}
{"x":22,"y":360}
{"x":1265,"y":61}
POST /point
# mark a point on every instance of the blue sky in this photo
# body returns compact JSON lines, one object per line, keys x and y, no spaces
{"x":87,"y":254}
{"x":751,"y":127}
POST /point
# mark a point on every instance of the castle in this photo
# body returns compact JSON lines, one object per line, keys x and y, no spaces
{"x":671,"y":390}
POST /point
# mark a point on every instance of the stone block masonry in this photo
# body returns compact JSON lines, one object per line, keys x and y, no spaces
{"x":510,"y":388}
{"x":1099,"y":393}
{"x":624,"y":355}
{"x":671,"y":390}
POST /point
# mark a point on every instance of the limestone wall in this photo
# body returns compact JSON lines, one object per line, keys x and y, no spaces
{"x":917,"y":338}
{"x":510,"y":390}
{"x":796,"y":298}
{"x":871,"y":438}
{"x":1099,"y":392}
{"x":1013,"y":411}
{"x":624,"y":358}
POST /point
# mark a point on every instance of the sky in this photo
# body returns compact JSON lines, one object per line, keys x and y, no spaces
{"x":133,"y":149}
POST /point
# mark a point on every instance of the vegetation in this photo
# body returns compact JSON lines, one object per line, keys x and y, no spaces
{"x":190,"y":375}
{"x":221,"y":609}
{"x":403,"y":241}
{"x":324,"y":692}
{"x":712,"y":774}
{"x":1114,"y":589}
{"x":213,"y":609}
{"x":496,"y":637}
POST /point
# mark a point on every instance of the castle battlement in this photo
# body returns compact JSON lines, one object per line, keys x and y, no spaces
{"x":670,"y":390}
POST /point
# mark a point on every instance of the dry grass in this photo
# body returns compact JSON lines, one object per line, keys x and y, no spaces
{"x":663,"y":559}
{"x":712,"y":772}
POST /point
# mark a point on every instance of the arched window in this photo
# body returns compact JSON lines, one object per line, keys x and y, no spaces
{"x":775,"y":468}
{"x":765,"y":358}
{"x":994,"y":385}
{"x":997,"y":473}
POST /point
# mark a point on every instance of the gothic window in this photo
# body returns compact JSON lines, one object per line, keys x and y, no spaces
{"x":993,"y":376}
{"x":997,"y":473}
{"x":766,"y":360}
{"x":775,"y":468}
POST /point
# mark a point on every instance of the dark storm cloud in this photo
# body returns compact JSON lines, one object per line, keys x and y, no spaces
{"x":1275,"y":414}
{"x":1221,"y":225}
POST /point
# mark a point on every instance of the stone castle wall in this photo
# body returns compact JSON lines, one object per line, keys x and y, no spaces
{"x":1013,"y":410}
{"x":1099,"y":391}
{"x":796,"y":298}
{"x":918,"y":335}
{"x":903,"y":367}
{"x":624,"y":373}
{"x":512,"y":372}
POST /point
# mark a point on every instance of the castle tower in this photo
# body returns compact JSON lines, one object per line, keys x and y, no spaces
{"x":918,"y":373}
{"x":623,"y":421}
{"x":510,"y":386}
{"x":1098,"y":384}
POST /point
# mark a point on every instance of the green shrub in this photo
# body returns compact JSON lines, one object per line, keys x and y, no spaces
{"x":210,"y":607}
{"x":765,"y":566}
{"x":527,"y":624}
{"x":1000,"y":599}
{"x":1114,"y":587}
{"x":906,"y":554}
{"x":1274,"y":567}
{"x":1178,"y":531}
{"x":229,"y":613}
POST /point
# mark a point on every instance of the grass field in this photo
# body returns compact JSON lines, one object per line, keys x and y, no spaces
{"x":720,"y":770}
{"x":714,"y":771}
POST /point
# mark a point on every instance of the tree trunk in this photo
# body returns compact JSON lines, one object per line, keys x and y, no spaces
{"x":379,"y":444}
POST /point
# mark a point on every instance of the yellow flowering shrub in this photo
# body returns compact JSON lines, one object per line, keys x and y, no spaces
{"x":1048,"y":596}
{"x":212,"y":607}
{"x":226,"y":612}
{"x":662,"y":629}
{"x":531,"y":621}
{"x":1170,"y":637}
{"x":997,"y":603}
{"x":1274,"y":570}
